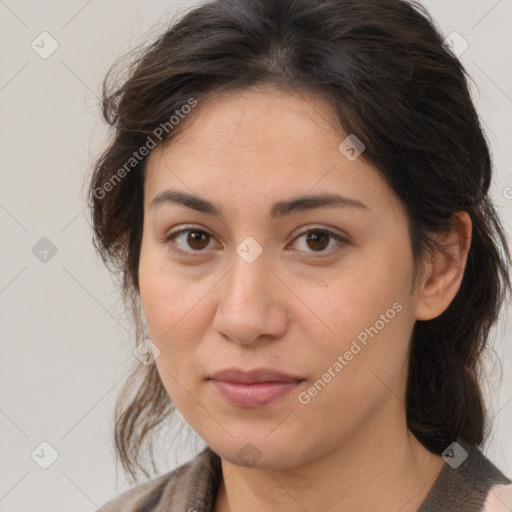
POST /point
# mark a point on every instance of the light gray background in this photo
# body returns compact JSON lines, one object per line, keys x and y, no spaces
{"x":66,"y":345}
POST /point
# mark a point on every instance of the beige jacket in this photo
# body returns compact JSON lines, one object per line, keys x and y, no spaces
{"x":476,"y":485}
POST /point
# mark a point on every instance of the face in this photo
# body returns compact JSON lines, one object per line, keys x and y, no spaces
{"x":321,"y":294}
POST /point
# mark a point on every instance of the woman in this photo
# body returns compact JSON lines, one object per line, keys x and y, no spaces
{"x":297,"y":199}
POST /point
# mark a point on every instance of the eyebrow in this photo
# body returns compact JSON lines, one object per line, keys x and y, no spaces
{"x":279,"y":209}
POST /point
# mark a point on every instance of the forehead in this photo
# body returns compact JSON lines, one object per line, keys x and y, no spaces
{"x":262,"y":120}
{"x":261,"y":143}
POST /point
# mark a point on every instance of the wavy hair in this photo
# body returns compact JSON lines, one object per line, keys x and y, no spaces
{"x":390,"y":80}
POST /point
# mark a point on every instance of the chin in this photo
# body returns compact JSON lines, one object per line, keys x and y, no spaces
{"x":259,"y":453}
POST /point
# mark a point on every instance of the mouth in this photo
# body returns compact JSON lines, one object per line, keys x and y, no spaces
{"x":254,"y":388}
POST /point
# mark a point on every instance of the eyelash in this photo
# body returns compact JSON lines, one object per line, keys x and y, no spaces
{"x":341,"y":240}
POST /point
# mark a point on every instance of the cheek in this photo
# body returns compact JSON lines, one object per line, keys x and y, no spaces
{"x":369,"y":318}
{"x":168,"y":305}
{"x":354,"y":299}
{"x":165,"y":299}
{"x":353,"y":379}
{"x":176,"y":310}
{"x":162,"y":292}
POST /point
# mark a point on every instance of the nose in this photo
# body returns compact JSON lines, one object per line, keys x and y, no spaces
{"x":252,"y":303}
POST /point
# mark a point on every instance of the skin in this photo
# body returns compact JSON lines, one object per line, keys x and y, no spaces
{"x":296,"y":308}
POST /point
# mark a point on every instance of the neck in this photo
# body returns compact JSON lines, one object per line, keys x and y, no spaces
{"x":374,"y":470}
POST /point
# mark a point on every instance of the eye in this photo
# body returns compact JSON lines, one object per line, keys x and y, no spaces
{"x":193,"y":240}
{"x":196,"y":239}
{"x":318,"y":239}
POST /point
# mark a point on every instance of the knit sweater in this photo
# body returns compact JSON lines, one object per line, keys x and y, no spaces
{"x":475,"y":485}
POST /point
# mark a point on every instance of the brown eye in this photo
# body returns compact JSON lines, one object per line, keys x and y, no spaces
{"x":319,"y":240}
{"x":197,"y":239}
{"x":188,"y":241}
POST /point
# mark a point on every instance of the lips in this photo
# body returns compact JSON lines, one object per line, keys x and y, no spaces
{"x":253,"y":388}
{"x":253,"y":376}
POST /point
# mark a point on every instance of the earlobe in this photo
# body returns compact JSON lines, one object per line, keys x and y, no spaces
{"x":445,"y":270}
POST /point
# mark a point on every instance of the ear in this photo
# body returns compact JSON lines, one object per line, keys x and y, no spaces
{"x":443,"y":274}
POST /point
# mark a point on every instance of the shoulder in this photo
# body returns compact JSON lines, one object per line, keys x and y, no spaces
{"x":499,"y":499}
{"x":133,"y":499}
{"x":201,"y":475}
{"x":469,"y":482}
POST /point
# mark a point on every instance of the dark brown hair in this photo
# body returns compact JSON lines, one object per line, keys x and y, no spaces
{"x":383,"y":68}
